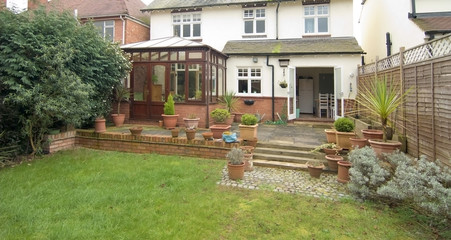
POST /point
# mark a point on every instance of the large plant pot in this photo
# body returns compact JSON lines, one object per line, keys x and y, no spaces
{"x":190,"y":133}
{"x":207,"y":135}
{"x":170,"y":121}
{"x":238,"y":117}
{"x":372,"y":134}
{"x":343,"y":171}
{"x":380,"y":147}
{"x":235,"y":171}
{"x":136,"y":131}
{"x":315,"y":171}
{"x":191,"y":122}
{"x":332,"y":161}
{"x":217,"y":130}
{"x":118,"y":119}
{"x":100,"y":125}
{"x":248,"y":132}
{"x":343,"y":139}
{"x":331,"y":135}
{"x":247,"y":149}
{"x":332,"y":151}
{"x":175,"y":132}
{"x":252,"y":142}
{"x":230,"y":119}
{"x":358,"y":142}
{"x":248,"y":164}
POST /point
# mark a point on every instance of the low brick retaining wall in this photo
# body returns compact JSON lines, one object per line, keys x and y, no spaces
{"x":125,"y":142}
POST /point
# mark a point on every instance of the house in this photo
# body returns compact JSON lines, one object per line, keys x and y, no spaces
{"x":119,"y":20}
{"x":309,"y":44}
{"x":384,"y":26}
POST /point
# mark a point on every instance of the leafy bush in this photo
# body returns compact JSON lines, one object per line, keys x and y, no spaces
{"x":248,"y":119}
{"x":344,"y":125}
{"x":169,"y":107}
{"x":401,"y":180}
{"x":235,"y":156}
{"x":219,"y":115}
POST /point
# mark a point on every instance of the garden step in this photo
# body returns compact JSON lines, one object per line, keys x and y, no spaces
{"x":288,"y":152}
{"x":283,"y":158}
{"x":283,"y":146}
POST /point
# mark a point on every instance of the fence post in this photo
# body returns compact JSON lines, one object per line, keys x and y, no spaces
{"x":402,"y":82}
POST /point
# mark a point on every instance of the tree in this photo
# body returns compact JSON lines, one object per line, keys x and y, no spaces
{"x":54,"y":70}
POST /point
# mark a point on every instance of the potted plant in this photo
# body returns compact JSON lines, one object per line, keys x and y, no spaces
{"x":169,"y":116}
{"x":235,"y":163}
{"x":175,"y":132}
{"x":381,"y":99}
{"x":315,"y":168}
{"x":343,"y":171}
{"x":229,"y":101}
{"x":283,"y":84}
{"x":207,"y":135}
{"x":100,"y":125}
{"x":248,"y":156}
{"x":331,"y":135}
{"x":332,"y":161}
{"x":358,"y":142}
{"x":328,"y":148}
{"x":136,"y":131}
{"x":190,"y":133}
{"x":248,"y":127}
{"x":345,"y":130}
{"x":121,"y":93}
{"x":219,"y":116}
{"x":191,"y":121}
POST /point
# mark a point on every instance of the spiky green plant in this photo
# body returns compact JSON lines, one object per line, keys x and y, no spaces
{"x":169,"y":108}
{"x":382,"y":98}
{"x":229,"y":101}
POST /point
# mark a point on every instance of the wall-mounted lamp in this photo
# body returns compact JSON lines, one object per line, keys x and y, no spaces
{"x":284,"y":62}
{"x":255,"y":59}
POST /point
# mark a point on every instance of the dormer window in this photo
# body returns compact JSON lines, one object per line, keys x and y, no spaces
{"x":186,"y":25}
{"x":316,"y":19}
{"x":254,"y":21}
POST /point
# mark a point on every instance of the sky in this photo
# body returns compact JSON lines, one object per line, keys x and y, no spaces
{"x":22,"y":4}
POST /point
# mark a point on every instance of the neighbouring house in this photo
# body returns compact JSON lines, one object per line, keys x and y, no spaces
{"x":200,"y":49}
{"x":384,"y":26}
{"x":119,"y":20}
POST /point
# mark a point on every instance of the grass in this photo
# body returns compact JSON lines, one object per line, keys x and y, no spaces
{"x":88,"y":194}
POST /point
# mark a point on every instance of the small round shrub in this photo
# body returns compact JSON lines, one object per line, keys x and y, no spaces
{"x":220,"y":114}
{"x":344,"y":125}
{"x":248,"y":119}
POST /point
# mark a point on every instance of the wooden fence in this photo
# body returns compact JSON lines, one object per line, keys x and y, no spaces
{"x":425,"y":118}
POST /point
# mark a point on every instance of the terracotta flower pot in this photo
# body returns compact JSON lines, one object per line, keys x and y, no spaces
{"x":332,"y":151}
{"x":175,"y":132}
{"x":170,"y":121}
{"x":332,"y":161}
{"x":315,"y":171}
{"x":343,"y":139}
{"x":372,"y":134}
{"x":136,"y":131}
{"x":207,"y":135}
{"x":248,"y":164}
{"x":380,"y":147}
{"x":118,"y":119}
{"x":343,"y":171}
{"x":247,"y":149}
{"x":190,"y":133}
{"x":330,"y":135}
{"x":100,"y":125}
{"x":217,"y":130}
{"x":248,"y":132}
{"x":236,"y":171}
{"x":358,"y":142}
{"x":191,"y":122}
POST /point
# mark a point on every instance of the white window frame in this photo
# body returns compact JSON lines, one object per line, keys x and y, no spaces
{"x":317,"y":14}
{"x":184,"y":19}
{"x":254,"y":15}
{"x":104,"y":27}
{"x":258,"y":76}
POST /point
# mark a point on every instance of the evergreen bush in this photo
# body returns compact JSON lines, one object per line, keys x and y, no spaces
{"x":235,"y":156}
{"x":344,"y":125}
{"x":248,"y":119}
{"x":169,"y":108}
{"x":220,"y":114}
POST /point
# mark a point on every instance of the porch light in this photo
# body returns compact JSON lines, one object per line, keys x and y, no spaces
{"x":284,"y":62}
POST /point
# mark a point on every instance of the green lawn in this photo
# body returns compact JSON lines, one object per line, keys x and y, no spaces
{"x":88,"y":194}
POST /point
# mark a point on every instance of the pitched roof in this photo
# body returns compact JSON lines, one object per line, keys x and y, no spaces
{"x":174,"y":4}
{"x":100,"y":8}
{"x":298,"y":46}
{"x":168,"y":42}
{"x":432,"y":24}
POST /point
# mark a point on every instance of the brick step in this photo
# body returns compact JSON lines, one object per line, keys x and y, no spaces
{"x":288,"y":152}
{"x":283,"y":146}
{"x":284,"y":158}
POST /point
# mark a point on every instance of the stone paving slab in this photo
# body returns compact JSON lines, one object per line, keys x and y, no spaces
{"x":289,"y":181}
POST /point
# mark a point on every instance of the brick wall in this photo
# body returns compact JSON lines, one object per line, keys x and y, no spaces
{"x":125,"y":109}
{"x":164,"y":145}
{"x":136,"y":32}
{"x":262,"y":105}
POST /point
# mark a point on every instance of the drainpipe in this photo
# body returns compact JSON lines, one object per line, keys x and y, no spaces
{"x":277,"y":22}
{"x":272,"y":80}
{"x":388,"y":43}
{"x":123,"y":29}
{"x":414,"y":10}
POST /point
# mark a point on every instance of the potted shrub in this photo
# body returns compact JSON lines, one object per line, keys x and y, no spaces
{"x":191,"y":121}
{"x":283,"y":84}
{"x":229,"y":101}
{"x":248,"y":156}
{"x":328,"y":148}
{"x":169,"y":116}
{"x":121,"y":93}
{"x":136,"y":131}
{"x":248,"y":127}
{"x":381,"y":99}
{"x":190,"y":133}
{"x":331,"y":135}
{"x":315,"y":168}
{"x":219,"y":116}
{"x":235,"y":163}
{"x":345,"y":130}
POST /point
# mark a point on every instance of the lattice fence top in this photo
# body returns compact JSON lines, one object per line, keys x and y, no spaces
{"x":436,"y":48}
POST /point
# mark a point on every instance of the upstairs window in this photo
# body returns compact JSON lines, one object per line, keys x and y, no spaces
{"x":254,"y":21}
{"x":316,"y":19}
{"x":106,"y":29}
{"x":186,"y":25}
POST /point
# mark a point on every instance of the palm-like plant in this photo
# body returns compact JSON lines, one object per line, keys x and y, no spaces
{"x":121,"y":94}
{"x":382,"y":99}
{"x":229,"y":101}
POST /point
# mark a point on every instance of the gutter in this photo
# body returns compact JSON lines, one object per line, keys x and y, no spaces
{"x":123,"y":29}
{"x":272,"y":81}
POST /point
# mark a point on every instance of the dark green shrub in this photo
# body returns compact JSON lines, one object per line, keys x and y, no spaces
{"x":344,"y":125}
{"x":220,"y":114}
{"x":248,"y":119}
{"x":169,"y":108}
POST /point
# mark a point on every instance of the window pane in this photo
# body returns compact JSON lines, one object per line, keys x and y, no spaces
{"x":195,"y":82}
{"x":186,"y":18}
{"x":109,"y":33}
{"x":186,"y":30}
{"x":261,"y":26}
{"x":177,"y":86}
{"x":109,"y":23}
{"x":248,"y":13}
{"x":255,"y":86}
{"x":242,"y":86}
{"x":323,"y":10}
{"x":154,"y":56}
{"x":176,"y":30}
{"x":145,"y":56}
{"x":308,"y":11}
{"x":196,"y":17}
{"x":181,"y":56}
{"x":213,"y":81}
{"x":248,"y":26}
{"x":195,"y":55}
{"x":139,"y":83}
{"x":260,"y":13}
{"x":309,"y":25}
{"x":164,"y":56}
{"x":176,"y":18}
{"x":322,"y":25}
{"x":158,"y":79}
{"x":196,"y":30}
